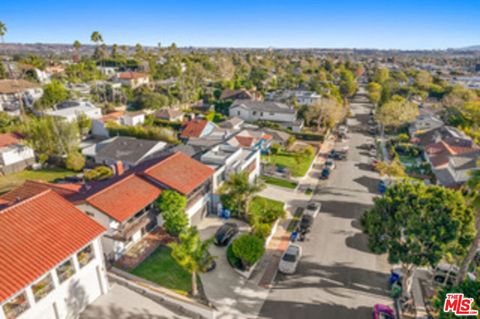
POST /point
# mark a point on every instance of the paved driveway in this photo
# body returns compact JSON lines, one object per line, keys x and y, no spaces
{"x":227,"y":290}
{"x":123,"y":303}
{"x":338,"y":277}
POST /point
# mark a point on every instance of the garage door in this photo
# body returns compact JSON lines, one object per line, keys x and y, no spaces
{"x":198,"y":216}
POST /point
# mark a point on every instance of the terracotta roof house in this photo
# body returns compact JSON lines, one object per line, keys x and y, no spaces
{"x":125,"y":207}
{"x":438,"y":154}
{"x":15,"y":156}
{"x":51,"y":259}
{"x":188,"y":177}
{"x":169,"y":114}
{"x":132,"y":79}
{"x":197,"y":128}
{"x":255,"y":139}
{"x":31,"y":188}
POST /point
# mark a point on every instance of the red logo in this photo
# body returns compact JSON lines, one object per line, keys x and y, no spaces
{"x":459,"y":305}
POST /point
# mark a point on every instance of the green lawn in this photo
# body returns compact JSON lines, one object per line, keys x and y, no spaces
{"x":48,"y":175}
{"x":163,"y":270}
{"x":279,"y":182}
{"x":297,"y":164}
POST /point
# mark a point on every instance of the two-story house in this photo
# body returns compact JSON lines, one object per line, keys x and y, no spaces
{"x":125,"y":208}
{"x":51,"y":259}
{"x":132,"y":79}
{"x":189,"y":178}
{"x":277,"y":112}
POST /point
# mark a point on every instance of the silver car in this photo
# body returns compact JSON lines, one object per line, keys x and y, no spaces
{"x":313,"y":209}
{"x":291,"y":256}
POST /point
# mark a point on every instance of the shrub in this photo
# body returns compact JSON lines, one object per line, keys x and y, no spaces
{"x":172,"y":207}
{"x":275,"y":148}
{"x":264,"y":210}
{"x":249,"y":248}
{"x":233,"y":260}
{"x":309,"y":151}
{"x":98,"y":173}
{"x":75,"y":161}
{"x":262,"y":230}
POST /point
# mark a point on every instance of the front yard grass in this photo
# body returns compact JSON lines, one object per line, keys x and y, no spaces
{"x":162,"y":269}
{"x":297,"y":163}
{"x":279,"y":182}
{"x":10,"y":181}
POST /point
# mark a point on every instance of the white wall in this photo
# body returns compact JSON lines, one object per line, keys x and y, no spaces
{"x":16,"y":153}
{"x":72,"y":295}
{"x":133,"y":120}
{"x":250,"y":115}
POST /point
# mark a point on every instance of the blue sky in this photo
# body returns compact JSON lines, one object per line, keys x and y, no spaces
{"x":385,"y":24}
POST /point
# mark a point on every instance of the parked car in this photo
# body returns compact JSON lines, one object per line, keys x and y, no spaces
{"x":313,"y":209}
{"x":383,"y":312}
{"x":225,"y":233}
{"x":305,"y":224}
{"x":330,"y":164}
{"x":336,"y":155}
{"x":325,"y":173}
{"x":372,"y":153}
{"x":291,"y":256}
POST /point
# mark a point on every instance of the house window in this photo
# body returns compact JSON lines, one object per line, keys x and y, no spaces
{"x":254,"y":113}
{"x":238,"y":112}
{"x":85,"y":256}
{"x":65,"y":270}
{"x":261,"y":113}
{"x":42,"y":288}
{"x":16,"y":306}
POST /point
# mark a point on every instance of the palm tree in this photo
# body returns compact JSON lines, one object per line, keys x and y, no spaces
{"x":77,"y":45}
{"x":3,"y":30}
{"x":240,"y":192}
{"x":473,"y":196}
{"x":192,"y":254}
{"x":114,"y":51}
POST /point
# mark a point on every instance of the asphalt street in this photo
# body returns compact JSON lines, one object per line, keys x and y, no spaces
{"x":337,"y":277}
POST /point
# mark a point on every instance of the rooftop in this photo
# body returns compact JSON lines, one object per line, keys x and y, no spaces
{"x":128,"y":149}
{"x":16,"y":86}
{"x":264,"y":106}
{"x":38,"y":234}
{"x":9,"y":139}
{"x":124,"y":198}
{"x":194,"y":128}
{"x":180,"y":172}
{"x":131,"y":75}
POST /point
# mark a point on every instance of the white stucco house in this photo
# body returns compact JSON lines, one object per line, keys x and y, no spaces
{"x":15,"y":156}
{"x":281,"y":113}
{"x":133,"y":118}
{"x":15,"y":92}
{"x":51,"y":262}
{"x":71,"y":110}
{"x":132,"y":79}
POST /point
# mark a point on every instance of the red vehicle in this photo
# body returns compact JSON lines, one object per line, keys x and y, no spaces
{"x":383,"y":312}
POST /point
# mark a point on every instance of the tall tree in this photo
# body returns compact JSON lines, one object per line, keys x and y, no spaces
{"x":416,"y":225}
{"x":192,"y":254}
{"x":396,"y":112}
{"x":3,"y":30}
{"x":473,"y":197}
{"x":172,"y":207}
{"x":77,"y":45}
{"x":237,"y":193}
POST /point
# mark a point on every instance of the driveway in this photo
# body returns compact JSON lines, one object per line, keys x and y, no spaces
{"x":123,"y":303}
{"x":337,"y":277}
{"x":232,"y":295}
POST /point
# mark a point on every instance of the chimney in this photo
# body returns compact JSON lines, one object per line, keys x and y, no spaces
{"x":119,"y":167}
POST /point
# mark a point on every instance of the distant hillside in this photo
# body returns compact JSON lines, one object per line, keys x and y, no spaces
{"x":470,"y":48}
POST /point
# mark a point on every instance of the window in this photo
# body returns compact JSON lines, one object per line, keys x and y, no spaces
{"x":42,"y":287}
{"x":254,"y":112}
{"x":65,"y":270}
{"x":238,"y":112}
{"x":85,"y":256}
{"x":261,"y":113}
{"x":16,"y":306}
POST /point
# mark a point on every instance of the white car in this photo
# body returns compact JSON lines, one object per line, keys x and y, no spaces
{"x":313,"y":209}
{"x":291,"y":256}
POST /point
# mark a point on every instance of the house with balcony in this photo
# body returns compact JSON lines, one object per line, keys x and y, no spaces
{"x":271,"y":111}
{"x":71,"y":110}
{"x":51,"y":259}
{"x":254,"y":139}
{"x":126,"y":208}
{"x":189,"y":178}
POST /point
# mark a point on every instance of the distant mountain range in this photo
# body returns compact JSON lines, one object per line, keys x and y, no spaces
{"x":469,"y":48}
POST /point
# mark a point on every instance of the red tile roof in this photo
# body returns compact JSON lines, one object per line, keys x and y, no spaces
{"x":114,"y":116}
{"x":32,"y":188}
{"x":131,"y":75}
{"x":194,"y":128}
{"x":244,"y":141}
{"x":124,"y":198}
{"x":440,"y":152}
{"x":180,"y":172}
{"x":9,"y":139}
{"x":38,"y":234}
